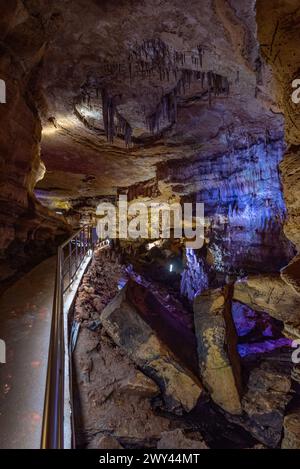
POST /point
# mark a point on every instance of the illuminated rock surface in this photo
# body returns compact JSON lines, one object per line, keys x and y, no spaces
{"x":163,"y":101}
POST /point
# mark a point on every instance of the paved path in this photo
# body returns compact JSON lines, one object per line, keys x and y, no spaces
{"x":25,"y":318}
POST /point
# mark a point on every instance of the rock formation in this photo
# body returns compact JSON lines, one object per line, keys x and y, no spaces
{"x":216,"y":364}
{"x":28,"y":230}
{"x":181,"y":390}
{"x":164,"y":102}
{"x":291,"y":439}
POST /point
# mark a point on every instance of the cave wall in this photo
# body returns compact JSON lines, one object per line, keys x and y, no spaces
{"x":27,"y":229}
{"x":278,"y":31}
{"x":244,"y":205}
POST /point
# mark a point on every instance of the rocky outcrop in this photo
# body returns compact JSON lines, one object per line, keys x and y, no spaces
{"x":264,"y":403}
{"x":112,"y":397}
{"x":138,"y":384}
{"x":28,"y":231}
{"x":259,"y":333}
{"x":119,"y":396}
{"x":227,"y":329}
{"x":291,"y":274}
{"x":165,"y":314}
{"x":110,"y":384}
{"x":216,"y":358}
{"x":270,"y":293}
{"x":278,"y":36}
{"x":290,"y":170}
{"x":134,"y":336}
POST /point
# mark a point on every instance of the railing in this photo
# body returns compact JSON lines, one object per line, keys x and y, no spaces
{"x":70,"y":257}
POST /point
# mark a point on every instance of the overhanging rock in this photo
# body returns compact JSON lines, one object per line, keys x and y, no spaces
{"x":272,"y":294}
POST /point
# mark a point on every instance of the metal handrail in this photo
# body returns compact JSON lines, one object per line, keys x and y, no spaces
{"x":53,"y":417}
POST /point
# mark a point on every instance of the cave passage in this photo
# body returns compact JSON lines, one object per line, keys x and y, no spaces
{"x":117,"y":330}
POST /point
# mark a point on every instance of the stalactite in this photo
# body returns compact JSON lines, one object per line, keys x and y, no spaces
{"x":108,"y":107}
{"x":200,"y":53}
{"x":209,"y":85}
{"x":153,"y":57}
{"x":113,"y":122}
{"x":104,"y":97}
{"x":123,"y":128}
{"x":167,"y":108}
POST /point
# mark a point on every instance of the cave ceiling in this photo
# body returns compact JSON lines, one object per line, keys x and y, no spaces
{"x":128,"y":85}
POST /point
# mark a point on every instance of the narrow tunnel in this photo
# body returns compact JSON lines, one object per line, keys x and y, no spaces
{"x":150,"y":225}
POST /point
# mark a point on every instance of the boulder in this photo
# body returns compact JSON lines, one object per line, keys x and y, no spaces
{"x":291,"y":425}
{"x":129,"y":331}
{"x":103,"y":401}
{"x":177,"y":440}
{"x":217,"y":372}
{"x":272,"y":294}
{"x":265,"y":401}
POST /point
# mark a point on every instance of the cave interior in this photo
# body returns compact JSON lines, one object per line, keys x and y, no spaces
{"x":164,"y":102}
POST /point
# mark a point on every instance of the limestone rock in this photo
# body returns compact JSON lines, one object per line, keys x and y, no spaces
{"x":291,"y":439}
{"x":29,"y":231}
{"x":139,"y":384}
{"x":272,"y":294}
{"x":97,"y":303}
{"x":104,"y":407}
{"x":295,"y":374}
{"x":215,"y":367}
{"x":291,"y":273}
{"x":278,"y":25}
{"x":264,"y":403}
{"x":104,"y":442}
{"x":176,"y":439}
{"x":130,"y":332}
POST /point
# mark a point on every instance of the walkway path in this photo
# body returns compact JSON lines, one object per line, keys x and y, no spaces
{"x":25,"y":318}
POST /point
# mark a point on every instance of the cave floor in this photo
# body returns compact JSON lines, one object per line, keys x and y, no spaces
{"x":25,"y":322}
